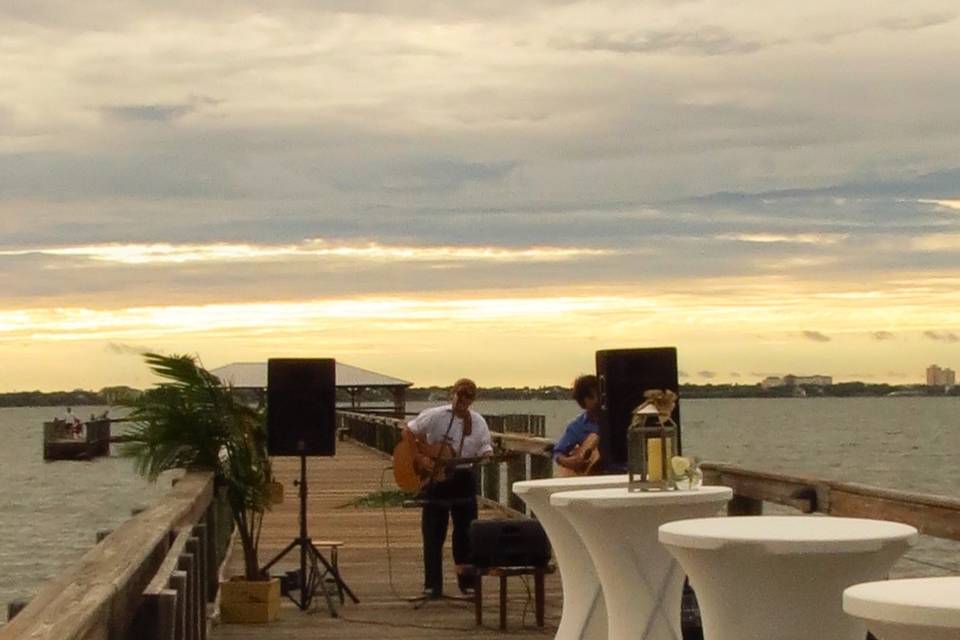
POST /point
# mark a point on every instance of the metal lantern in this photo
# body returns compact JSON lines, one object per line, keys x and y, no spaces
{"x":652,"y":436}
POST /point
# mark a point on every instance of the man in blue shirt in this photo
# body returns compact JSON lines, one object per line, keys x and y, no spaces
{"x":586,"y":391}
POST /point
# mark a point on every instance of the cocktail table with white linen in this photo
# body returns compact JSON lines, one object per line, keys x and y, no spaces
{"x":914,"y":609}
{"x":642,"y":585}
{"x":584,"y":614}
{"x":782,"y":577}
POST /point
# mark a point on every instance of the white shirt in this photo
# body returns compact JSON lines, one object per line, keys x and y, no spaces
{"x":432,"y":424}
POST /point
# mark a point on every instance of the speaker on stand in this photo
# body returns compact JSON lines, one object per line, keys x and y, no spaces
{"x":624,"y":374}
{"x":301,"y":421}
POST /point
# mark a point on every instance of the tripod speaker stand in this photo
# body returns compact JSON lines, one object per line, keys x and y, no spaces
{"x":311,"y":577}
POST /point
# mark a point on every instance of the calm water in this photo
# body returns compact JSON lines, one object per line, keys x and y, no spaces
{"x":50,"y":512}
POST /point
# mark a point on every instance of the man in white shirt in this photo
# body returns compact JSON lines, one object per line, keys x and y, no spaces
{"x":468,"y":435}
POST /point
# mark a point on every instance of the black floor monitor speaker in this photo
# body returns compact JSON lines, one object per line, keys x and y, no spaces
{"x":301,"y":406}
{"x":509,"y":543}
{"x":624,"y":375}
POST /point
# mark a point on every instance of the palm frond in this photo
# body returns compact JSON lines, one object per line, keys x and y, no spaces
{"x":192,"y":420}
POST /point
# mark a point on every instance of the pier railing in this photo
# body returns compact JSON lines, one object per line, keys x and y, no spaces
{"x":533,"y":459}
{"x":151,"y":578}
{"x":932,"y":515}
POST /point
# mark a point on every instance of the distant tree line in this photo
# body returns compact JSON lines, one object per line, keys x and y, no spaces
{"x":494,"y":393}
{"x":118,"y":395}
{"x":76,"y":398}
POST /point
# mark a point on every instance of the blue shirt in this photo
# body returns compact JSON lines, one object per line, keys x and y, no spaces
{"x":578,"y":429}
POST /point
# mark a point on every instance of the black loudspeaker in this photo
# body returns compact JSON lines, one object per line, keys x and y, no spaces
{"x":301,"y":406}
{"x":624,"y":375}
{"x":509,"y":543}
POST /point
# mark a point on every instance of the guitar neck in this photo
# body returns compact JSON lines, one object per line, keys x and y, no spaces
{"x":480,"y":459}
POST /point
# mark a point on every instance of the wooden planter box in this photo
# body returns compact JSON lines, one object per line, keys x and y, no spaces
{"x":275,"y":492}
{"x":247,"y":601}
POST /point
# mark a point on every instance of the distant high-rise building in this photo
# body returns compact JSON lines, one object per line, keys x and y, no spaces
{"x":940,"y":377}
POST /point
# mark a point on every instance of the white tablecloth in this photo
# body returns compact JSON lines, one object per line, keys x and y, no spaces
{"x":584,"y":612}
{"x":782,"y":578}
{"x":642,"y":585}
{"x":915,"y":609}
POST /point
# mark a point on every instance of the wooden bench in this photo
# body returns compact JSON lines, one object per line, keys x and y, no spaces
{"x":503,"y":573}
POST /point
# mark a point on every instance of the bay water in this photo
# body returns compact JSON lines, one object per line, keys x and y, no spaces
{"x":50,"y":511}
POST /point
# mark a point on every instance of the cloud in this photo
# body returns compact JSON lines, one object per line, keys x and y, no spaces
{"x":881,"y":336}
{"x":917,"y":22}
{"x":705,"y":40}
{"x":951,"y":205}
{"x":122,"y":349}
{"x":148,"y":113}
{"x":683,"y":374}
{"x":157,"y":112}
{"x":941,"y":336}
{"x":816,"y":336}
{"x":734,"y":374}
{"x":428,"y":175}
{"x":166,"y":253}
{"x":778,"y":238}
{"x":707,"y":375}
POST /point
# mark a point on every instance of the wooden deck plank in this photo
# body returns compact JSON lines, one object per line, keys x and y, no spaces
{"x":382,"y":613}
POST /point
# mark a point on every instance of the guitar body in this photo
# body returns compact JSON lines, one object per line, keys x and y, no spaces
{"x":588,"y":450}
{"x":409,"y":474}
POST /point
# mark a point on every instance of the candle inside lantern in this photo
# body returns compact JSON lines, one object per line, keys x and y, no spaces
{"x":655,"y":457}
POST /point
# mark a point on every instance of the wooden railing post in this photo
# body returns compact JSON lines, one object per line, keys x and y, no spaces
{"x":156,"y":617}
{"x":14,"y":607}
{"x":541,"y":466}
{"x":178,"y":582}
{"x":744,"y":506}
{"x":491,"y":482}
{"x":516,"y":471}
{"x":187,"y":564}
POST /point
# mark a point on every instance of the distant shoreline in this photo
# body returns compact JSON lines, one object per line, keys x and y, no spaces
{"x":109,"y":396}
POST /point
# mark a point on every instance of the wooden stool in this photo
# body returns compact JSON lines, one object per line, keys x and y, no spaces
{"x":503,"y":573}
{"x":334,"y":547}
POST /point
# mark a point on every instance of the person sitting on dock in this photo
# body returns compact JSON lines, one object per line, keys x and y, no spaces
{"x":572,"y":450}
{"x":467,"y":434}
{"x":74,"y":424}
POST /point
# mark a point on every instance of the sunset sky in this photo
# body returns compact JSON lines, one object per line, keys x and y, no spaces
{"x":496,"y":188}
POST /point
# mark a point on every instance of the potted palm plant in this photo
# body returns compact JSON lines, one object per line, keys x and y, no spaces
{"x":191,"y":420}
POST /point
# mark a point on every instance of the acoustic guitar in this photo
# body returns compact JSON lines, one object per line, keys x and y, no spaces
{"x":588,"y":451}
{"x":411,"y":476}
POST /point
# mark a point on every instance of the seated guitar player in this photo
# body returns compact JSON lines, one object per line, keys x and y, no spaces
{"x":576,"y":452}
{"x":467,"y":434}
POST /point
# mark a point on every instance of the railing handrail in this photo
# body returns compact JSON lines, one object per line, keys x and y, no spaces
{"x":517,"y":441}
{"x":933,"y":515}
{"x":97,"y":596}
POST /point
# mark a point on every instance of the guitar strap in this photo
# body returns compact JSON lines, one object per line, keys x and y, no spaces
{"x":446,"y":434}
{"x":463,"y":434}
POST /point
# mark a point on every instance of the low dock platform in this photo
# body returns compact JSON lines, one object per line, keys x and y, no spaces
{"x":383,"y":613}
{"x":62,"y":441}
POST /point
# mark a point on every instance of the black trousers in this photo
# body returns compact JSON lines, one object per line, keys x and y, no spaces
{"x":454,"y":497}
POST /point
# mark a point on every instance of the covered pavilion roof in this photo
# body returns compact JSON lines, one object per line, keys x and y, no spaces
{"x":253,"y":375}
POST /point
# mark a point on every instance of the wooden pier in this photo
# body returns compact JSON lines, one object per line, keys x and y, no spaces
{"x":156,"y":576}
{"x":383,"y":613}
